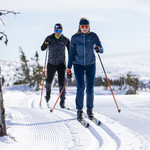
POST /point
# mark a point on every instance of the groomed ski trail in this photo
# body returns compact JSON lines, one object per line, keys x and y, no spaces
{"x":36,"y":128}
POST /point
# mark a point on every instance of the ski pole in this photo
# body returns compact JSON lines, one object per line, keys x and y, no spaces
{"x":59,"y":97}
{"x":43,"y":78}
{"x":66,"y":88}
{"x":109,"y":83}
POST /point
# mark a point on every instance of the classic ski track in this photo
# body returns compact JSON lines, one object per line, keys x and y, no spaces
{"x":109,"y":140}
{"x":92,"y":133}
{"x":114,"y":140}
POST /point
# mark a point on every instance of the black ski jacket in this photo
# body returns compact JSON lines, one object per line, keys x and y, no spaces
{"x":56,"y":48}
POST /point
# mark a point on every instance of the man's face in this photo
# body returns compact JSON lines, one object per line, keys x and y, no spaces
{"x":58,"y":32}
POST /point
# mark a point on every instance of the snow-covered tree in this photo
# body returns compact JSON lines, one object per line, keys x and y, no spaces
{"x":2,"y":109}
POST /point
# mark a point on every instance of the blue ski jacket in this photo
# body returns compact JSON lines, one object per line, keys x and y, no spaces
{"x":81,"y":50}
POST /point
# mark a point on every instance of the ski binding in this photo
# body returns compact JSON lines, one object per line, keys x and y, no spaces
{"x":84,"y":123}
{"x":96,"y":121}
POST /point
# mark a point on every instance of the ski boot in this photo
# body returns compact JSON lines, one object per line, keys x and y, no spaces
{"x":90,"y":114}
{"x":79,"y":114}
{"x":62,"y":104}
{"x":47,"y":98}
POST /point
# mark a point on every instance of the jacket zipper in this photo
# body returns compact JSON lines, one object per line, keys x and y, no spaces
{"x":84,"y":47}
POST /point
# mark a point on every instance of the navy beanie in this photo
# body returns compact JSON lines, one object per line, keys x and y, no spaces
{"x":84,"y":22}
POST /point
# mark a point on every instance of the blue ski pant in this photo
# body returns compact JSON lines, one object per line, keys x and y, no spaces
{"x":89,"y":72}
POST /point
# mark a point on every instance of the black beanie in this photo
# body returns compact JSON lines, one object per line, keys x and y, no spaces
{"x":58,"y":26}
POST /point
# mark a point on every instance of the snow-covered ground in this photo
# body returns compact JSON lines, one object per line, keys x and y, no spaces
{"x":32,"y":127}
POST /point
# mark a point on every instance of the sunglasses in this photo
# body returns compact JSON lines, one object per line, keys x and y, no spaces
{"x":58,"y":31}
{"x":84,"y":26}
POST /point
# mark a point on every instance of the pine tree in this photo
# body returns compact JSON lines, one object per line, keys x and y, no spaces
{"x":25,"y":67}
{"x":133,"y":82}
{"x":37,"y":72}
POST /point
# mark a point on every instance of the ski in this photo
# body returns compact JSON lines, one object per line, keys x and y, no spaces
{"x":51,"y":110}
{"x":84,"y":123}
{"x":96,"y":121}
{"x":66,"y":108}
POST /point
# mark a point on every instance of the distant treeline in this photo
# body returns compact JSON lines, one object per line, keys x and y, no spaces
{"x":32,"y":74}
{"x":128,"y":83}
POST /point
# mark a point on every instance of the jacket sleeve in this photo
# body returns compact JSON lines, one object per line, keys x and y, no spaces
{"x":71,"y":53}
{"x":68,"y":43}
{"x":44,"y":45}
{"x":98,"y":43}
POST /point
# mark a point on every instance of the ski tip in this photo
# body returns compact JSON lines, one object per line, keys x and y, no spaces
{"x":119,"y":110}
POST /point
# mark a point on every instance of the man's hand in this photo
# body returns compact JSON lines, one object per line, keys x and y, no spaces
{"x":69,"y":74}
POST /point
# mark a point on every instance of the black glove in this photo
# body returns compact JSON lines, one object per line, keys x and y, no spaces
{"x":69,"y":74}
{"x":97,"y":49}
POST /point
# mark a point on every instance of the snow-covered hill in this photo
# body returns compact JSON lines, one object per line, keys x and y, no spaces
{"x":115,"y":66}
{"x":120,"y":64}
{"x":12,"y":71}
{"x":32,"y":127}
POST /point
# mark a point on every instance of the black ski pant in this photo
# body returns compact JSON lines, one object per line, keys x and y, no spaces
{"x":51,"y":70}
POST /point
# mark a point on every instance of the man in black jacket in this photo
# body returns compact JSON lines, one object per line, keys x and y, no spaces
{"x":56,"y":43}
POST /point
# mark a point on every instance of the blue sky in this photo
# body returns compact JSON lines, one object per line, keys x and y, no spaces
{"x":123,"y":26}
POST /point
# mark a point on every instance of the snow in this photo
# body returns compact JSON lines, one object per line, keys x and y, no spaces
{"x":32,"y":127}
